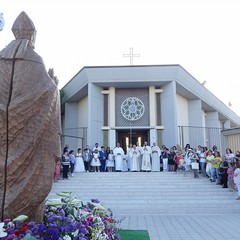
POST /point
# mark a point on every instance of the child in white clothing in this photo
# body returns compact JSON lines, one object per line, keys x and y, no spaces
{"x":95,"y":163}
{"x":110,"y":161}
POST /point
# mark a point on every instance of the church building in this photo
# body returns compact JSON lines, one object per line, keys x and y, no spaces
{"x":154,"y":103}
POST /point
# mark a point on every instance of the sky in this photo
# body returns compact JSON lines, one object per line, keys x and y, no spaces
{"x":203,"y":36}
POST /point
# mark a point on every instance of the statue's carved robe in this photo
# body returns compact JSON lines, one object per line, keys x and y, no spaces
{"x":29,"y":130}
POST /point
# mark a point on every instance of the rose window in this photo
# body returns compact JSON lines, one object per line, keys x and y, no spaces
{"x":132,"y":108}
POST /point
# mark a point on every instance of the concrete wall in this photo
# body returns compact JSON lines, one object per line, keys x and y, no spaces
{"x":168,"y":113}
{"x":213,"y":131}
{"x":212,"y":120}
{"x":182,"y":110}
{"x":227,"y":124}
{"x":195,"y":113}
{"x":95,"y":115}
{"x":182,"y":118}
{"x":196,"y":120}
{"x":83,"y":112}
{"x":204,"y":141}
{"x":70,"y":125}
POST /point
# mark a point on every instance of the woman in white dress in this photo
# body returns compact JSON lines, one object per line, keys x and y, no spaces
{"x":95,"y":163}
{"x":79,"y":165}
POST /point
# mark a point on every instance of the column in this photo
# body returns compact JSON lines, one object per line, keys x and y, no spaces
{"x":71,"y":124}
{"x":213,"y":131}
{"x":169,"y":114}
{"x":111,"y":107}
{"x":152,"y":106}
{"x":153,"y":113}
{"x":111,"y":134}
{"x":95,"y":114}
{"x":212,"y":120}
{"x":196,"y":120}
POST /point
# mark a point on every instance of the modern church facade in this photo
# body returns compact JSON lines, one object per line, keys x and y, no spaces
{"x":129,"y":104}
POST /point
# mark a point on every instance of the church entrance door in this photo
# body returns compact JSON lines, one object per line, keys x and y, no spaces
{"x":127,"y":136}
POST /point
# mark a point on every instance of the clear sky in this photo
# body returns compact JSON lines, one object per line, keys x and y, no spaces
{"x":203,"y":36}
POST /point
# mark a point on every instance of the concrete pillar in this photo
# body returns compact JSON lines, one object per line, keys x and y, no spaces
{"x":212,"y":120}
{"x":112,"y":138}
{"x":227,"y":124}
{"x":195,"y":113}
{"x":111,"y":107}
{"x":71,"y":125}
{"x":153,"y":136}
{"x":196,"y":120}
{"x":95,"y":114}
{"x":152,"y":106}
{"x":213,"y":126}
{"x":169,"y":114}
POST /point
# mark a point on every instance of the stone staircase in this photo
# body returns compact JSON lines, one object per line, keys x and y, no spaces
{"x":143,"y":197}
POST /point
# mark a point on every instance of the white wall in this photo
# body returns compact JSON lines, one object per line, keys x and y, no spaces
{"x":203,"y":118}
{"x":168,"y":114}
{"x":70,"y":125}
{"x":182,"y":110}
{"x":83,"y":112}
{"x":195,"y":113}
{"x":196,"y":120}
{"x":212,"y":120}
{"x":204,"y":143}
{"x":95,"y":114}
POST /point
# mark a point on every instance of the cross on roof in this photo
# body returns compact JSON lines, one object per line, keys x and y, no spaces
{"x":131,"y":56}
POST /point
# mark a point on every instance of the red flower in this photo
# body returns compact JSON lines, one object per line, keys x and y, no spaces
{"x":23,"y":229}
{"x":108,"y":219}
{"x":90,"y":219}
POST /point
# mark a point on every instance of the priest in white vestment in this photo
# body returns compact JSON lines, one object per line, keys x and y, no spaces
{"x":146,"y":157}
{"x":124,"y":163}
{"x":118,"y":155}
{"x":129,"y":156}
{"x":134,"y":156}
{"x":156,"y":153}
{"x":139,"y":148}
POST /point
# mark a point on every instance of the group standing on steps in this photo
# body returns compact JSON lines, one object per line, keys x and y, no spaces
{"x":222,"y":170}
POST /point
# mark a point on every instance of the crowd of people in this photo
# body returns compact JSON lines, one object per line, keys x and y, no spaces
{"x":202,"y":162}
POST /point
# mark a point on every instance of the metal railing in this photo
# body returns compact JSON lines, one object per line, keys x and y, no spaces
{"x":204,"y":136}
{"x":76,"y":137}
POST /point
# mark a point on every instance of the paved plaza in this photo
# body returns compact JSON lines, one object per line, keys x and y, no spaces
{"x":168,"y":205}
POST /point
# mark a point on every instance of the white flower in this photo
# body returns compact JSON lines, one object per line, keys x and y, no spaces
{"x":76,"y":233}
{"x":66,"y":237}
{"x":2,"y":230}
{"x":103,"y":236}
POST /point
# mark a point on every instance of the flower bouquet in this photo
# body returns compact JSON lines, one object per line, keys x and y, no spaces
{"x":65,"y":219}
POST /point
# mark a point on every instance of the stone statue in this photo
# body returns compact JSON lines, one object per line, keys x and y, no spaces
{"x":29,"y":125}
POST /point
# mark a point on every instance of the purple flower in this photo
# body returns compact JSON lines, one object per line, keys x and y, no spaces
{"x":66,"y":221}
{"x":7,"y":220}
{"x":95,"y":200}
{"x":41,"y":227}
{"x":31,"y":224}
{"x":84,"y":230}
{"x":62,"y":212}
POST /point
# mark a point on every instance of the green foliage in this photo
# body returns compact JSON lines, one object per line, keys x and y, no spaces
{"x":134,"y":234}
{"x":28,"y":237}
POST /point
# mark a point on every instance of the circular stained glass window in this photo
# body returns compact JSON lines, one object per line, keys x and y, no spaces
{"x":132,"y":108}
